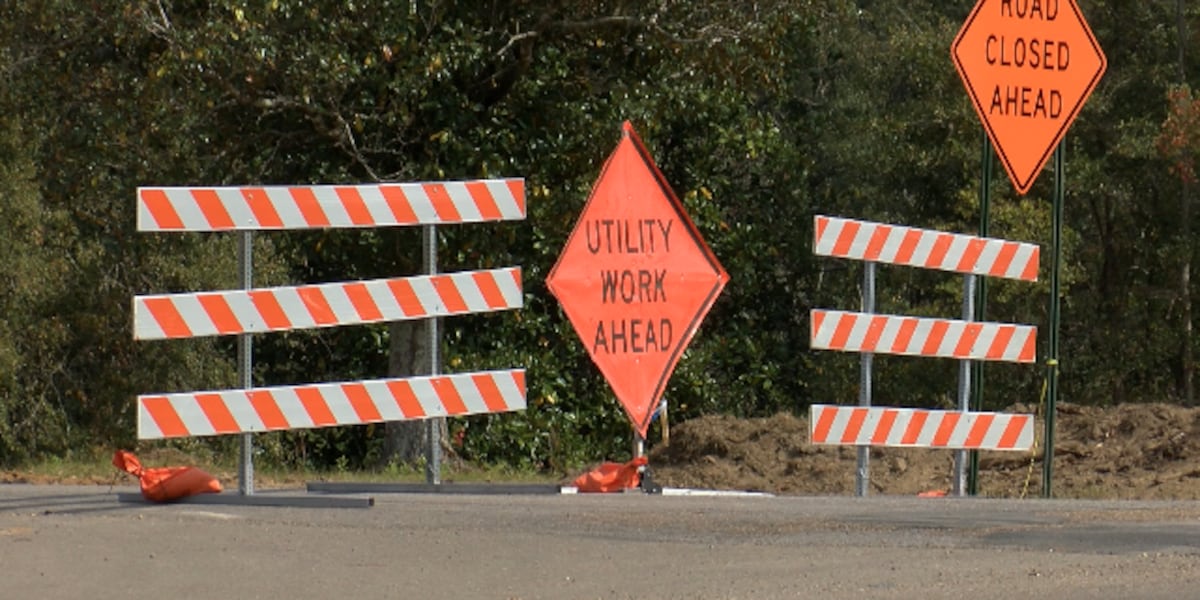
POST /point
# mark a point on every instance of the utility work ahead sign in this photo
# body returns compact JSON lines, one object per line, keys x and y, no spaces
{"x":1028,"y":66}
{"x":635,"y":278}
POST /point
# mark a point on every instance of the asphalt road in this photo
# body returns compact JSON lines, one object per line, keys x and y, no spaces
{"x":64,"y":542}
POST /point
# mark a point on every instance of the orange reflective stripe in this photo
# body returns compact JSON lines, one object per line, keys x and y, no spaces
{"x":824,"y":424}
{"x":164,"y":416}
{"x":309,"y":207}
{"x":915,"y":425}
{"x":360,"y":400}
{"x":264,"y":210}
{"x":399,"y":204}
{"x":406,"y":298}
{"x":317,"y":304}
{"x":490,"y":392}
{"x":167,"y":316}
{"x":966,"y":342}
{"x":315,"y":405}
{"x":268,"y":410}
{"x":483,"y":200}
{"x":362,"y":301}
{"x":979,"y":430}
{"x":354,"y":205}
{"x":845,"y":239}
{"x":517,"y":188}
{"x":217,"y":413}
{"x":448,"y":291}
{"x":406,"y":400}
{"x":945,"y":429}
{"x":887,"y":420}
{"x":854,"y":425}
{"x":442,"y":204}
{"x":1012,"y":432}
{"x":268,"y":307}
{"x":161,"y":210}
{"x":448,"y":394}
{"x":486,"y":283}
{"x":216,"y":306}
{"x":213,"y":209}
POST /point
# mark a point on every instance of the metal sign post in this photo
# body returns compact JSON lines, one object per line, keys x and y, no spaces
{"x":433,"y":427}
{"x":964,"y":388}
{"x":245,"y":346}
{"x":862,"y":480}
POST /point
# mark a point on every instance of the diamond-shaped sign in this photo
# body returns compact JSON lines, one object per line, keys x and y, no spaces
{"x":1028,"y":65}
{"x":635,"y":278}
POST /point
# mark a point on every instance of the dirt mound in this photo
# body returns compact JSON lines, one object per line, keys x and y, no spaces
{"x":1133,"y":451}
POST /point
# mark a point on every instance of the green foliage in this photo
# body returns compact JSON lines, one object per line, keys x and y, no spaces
{"x":760,"y":114}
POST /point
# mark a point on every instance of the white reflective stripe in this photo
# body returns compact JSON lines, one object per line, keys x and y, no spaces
{"x":506,"y":382}
{"x":187,"y":208}
{"x":899,"y":426}
{"x":385,"y":402}
{"x":421,"y":205}
{"x":194,"y":315}
{"x":189,"y":412}
{"x":469,"y":290}
{"x":951,"y":335}
{"x":467,"y":209}
{"x":238,"y":206}
{"x":377,"y":206}
{"x":469,"y":393}
{"x":294,"y":308}
{"x":238,"y":403}
{"x":339,"y":303}
{"x":988,"y":256}
{"x":247,"y":314}
{"x":954,"y":255}
{"x":427,"y":397}
{"x":1021,"y":260}
{"x":145,"y":326}
{"x":147,"y":428}
{"x":339,"y":404}
{"x":333,"y":206}
{"x":509,"y":207}
{"x":509,"y":283}
{"x":293,"y":410}
{"x":427,"y":296}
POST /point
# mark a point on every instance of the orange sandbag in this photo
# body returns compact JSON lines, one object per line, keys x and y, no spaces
{"x":611,"y":477}
{"x":165,"y":484}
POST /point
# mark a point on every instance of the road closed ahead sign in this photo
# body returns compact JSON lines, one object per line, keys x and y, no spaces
{"x":1028,"y":66}
{"x":635,"y":278}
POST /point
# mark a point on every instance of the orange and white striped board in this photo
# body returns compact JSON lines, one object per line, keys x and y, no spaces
{"x":199,"y":314}
{"x":916,"y":336}
{"x":917,"y":428}
{"x":329,"y":404}
{"x":329,"y":206}
{"x":900,"y":245}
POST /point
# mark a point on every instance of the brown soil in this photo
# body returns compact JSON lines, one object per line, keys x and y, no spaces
{"x":1143,"y":451}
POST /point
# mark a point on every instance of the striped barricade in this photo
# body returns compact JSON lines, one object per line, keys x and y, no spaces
{"x":243,"y":312}
{"x":871,"y":333}
{"x":907,"y":246}
{"x":328,"y":404}
{"x":325,"y":305}
{"x":915,"y":336}
{"x":329,"y":206}
{"x":909,"y":428}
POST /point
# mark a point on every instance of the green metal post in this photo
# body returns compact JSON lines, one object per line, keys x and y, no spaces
{"x":985,"y":200}
{"x":1052,"y":351}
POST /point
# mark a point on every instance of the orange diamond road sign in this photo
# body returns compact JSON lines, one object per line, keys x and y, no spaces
{"x":1028,"y":65}
{"x":635,"y":278}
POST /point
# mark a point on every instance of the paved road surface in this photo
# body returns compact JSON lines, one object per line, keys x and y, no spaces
{"x":63,"y":542}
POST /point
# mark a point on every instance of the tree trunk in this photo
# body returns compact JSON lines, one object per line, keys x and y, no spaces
{"x":408,"y":355}
{"x":1185,"y":273}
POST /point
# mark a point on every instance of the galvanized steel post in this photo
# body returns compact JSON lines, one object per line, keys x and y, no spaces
{"x":245,"y":346}
{"x":862,"y":481}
